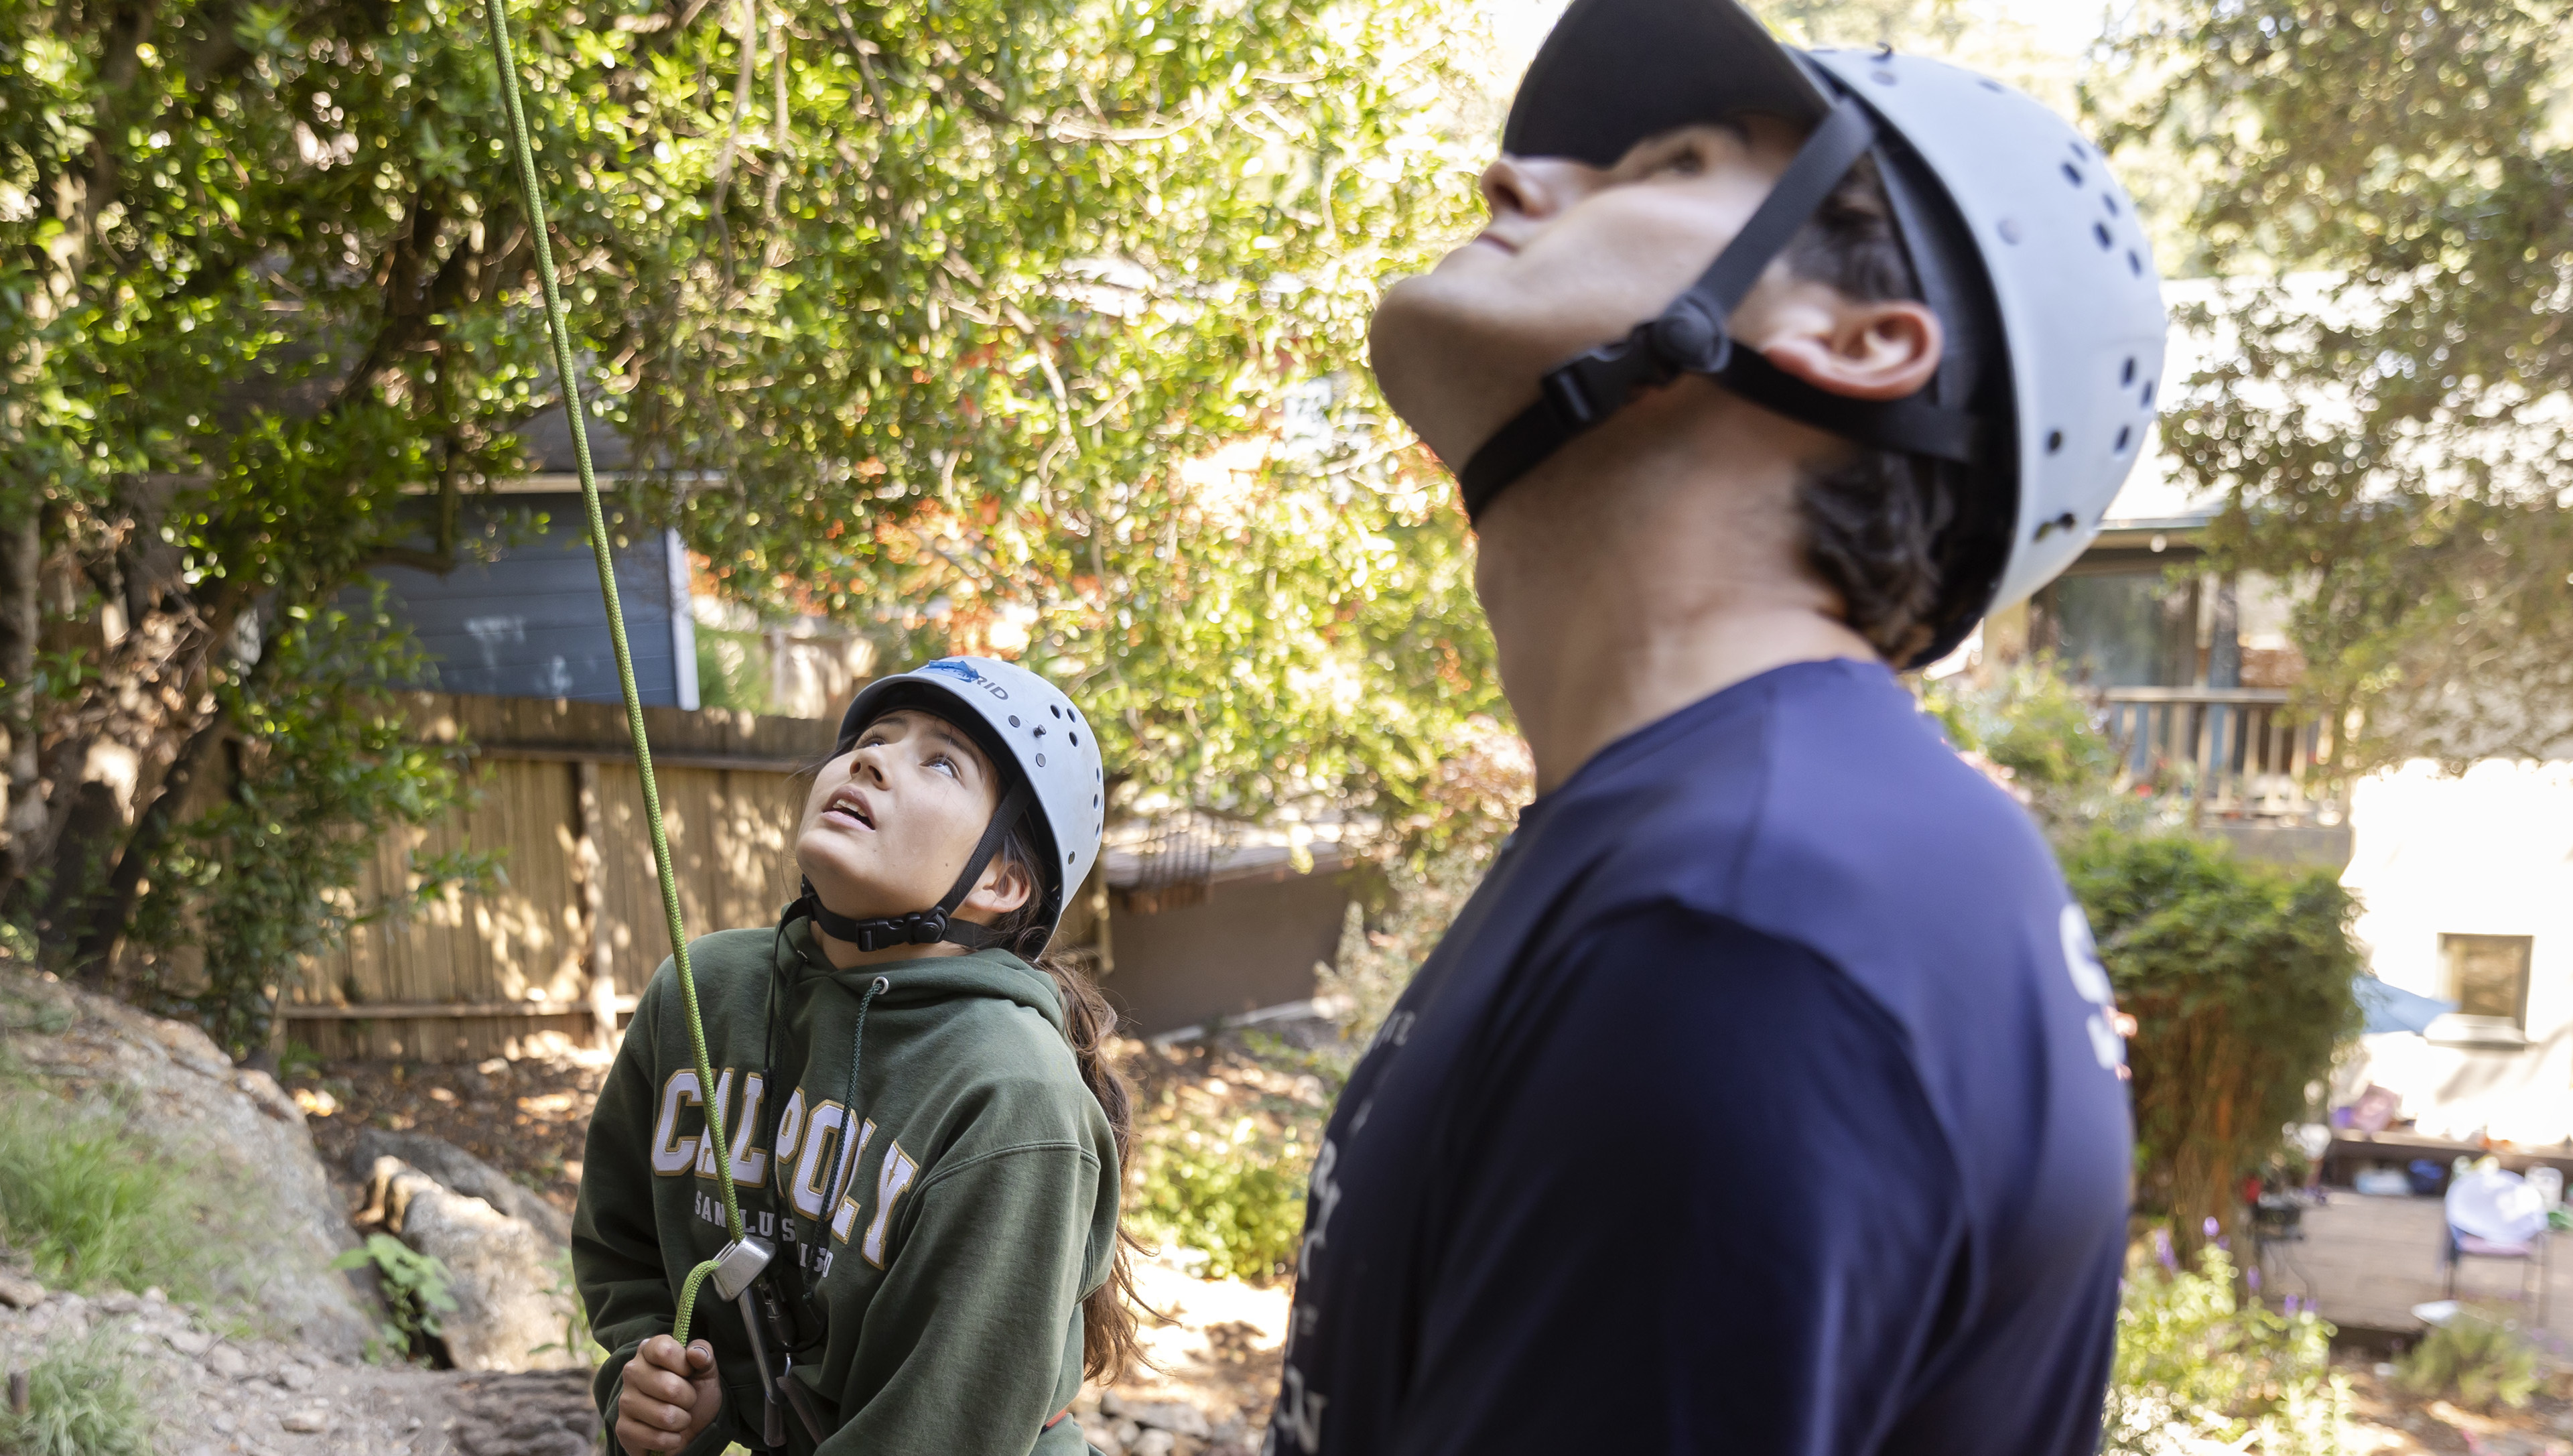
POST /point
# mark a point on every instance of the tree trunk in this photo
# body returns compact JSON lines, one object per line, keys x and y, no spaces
{"x":103,"y":924}
{"x":22,"y":550}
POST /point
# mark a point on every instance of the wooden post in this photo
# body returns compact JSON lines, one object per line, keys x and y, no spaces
{"x":1099,"y":912}
{"x":589,"y":867}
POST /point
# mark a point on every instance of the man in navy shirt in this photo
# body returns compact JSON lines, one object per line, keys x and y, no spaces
{"x":1766,"y":1097}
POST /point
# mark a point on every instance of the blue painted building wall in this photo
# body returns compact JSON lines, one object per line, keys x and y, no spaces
{"x":529,"y":624}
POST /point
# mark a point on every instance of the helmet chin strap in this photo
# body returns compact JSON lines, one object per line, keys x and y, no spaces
{"x":1690,"y":337}
{"x":938,"y":922}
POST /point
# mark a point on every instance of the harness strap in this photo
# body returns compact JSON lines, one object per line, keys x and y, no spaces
{"x":1690,"y":337}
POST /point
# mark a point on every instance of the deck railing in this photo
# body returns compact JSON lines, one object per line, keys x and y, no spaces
{"x":2234,"y":750}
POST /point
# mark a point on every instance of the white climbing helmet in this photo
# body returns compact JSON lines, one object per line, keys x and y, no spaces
{"x":2024,"y":244}
{"x":1042,"y":743}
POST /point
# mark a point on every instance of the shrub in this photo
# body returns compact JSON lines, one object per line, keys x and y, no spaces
{"x":2195,"y":1364}
{"x":1232,"y":1191}
{"x":2029,"y":720}
{"x":98,"y":1208}
{"x":2481,"y":1358}
{"x":2037,"y":727}
{"x":415,"y":1289}
{"x":2240,"y":976}
{"x":82,"y":1401}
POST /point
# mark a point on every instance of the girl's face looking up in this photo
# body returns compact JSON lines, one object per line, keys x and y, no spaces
{"x":889,"y":824}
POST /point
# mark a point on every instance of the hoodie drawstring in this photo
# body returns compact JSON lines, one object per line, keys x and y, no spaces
{"x":849,"y":1100}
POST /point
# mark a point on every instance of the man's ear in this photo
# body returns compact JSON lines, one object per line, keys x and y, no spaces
{"x":1881,"y":350}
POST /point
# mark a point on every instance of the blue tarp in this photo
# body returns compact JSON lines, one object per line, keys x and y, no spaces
{"x":2392,"y":1008}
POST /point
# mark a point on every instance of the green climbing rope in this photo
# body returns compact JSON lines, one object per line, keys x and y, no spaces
{"x":578,"y":415}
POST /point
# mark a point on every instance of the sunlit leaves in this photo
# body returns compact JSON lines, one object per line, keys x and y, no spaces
{"x":982,"y":325}
{"x":2390,"y":191}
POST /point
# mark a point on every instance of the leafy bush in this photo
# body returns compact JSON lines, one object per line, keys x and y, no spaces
{"x":2240,"y":976}
{"x":2479,"y":1357}
{"x":2029,"y":720}
{"x":414,"y":1289}
{"x":1232,"y":1191}
{"x":100,"y":1209}
{"x":2195,"y":1364}
{"x":82,"y":1401}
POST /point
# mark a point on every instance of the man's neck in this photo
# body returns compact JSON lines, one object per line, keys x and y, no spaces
{"x":1603,"y":677}
{"x":1614,"y":608}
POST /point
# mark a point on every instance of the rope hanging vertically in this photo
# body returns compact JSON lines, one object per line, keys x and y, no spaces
{"x":577,"y":414}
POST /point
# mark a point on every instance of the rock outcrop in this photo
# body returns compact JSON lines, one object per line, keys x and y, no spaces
{"x":511,"y":1280}
{"x":462,"y":1173}
{"x":170,"y":1083}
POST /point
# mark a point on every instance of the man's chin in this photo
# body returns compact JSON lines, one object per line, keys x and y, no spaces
{"x":1456,"y":361}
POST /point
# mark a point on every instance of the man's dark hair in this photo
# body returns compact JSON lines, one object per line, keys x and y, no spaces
{"x":1873,"y":523}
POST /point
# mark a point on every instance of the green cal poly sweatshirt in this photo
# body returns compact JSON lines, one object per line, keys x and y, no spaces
{"x":944,"y":1285}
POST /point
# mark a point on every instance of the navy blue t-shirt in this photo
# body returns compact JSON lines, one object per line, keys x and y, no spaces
{"x":1764,"y":1100}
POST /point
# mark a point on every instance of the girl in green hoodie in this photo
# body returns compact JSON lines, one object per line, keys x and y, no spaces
{"x":920,"y":1118}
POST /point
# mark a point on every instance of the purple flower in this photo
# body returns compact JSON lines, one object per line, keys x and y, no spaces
{"x":2163,"y":1251}
{"x":2252,"y":1276}
{"x":2210,"y":1228}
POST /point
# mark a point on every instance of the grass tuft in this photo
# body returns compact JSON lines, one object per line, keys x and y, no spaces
{"x":97,"y":1207}
{"x":83,"y":1401}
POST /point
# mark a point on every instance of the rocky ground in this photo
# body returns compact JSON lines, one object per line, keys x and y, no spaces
{"x":219,"y":1395}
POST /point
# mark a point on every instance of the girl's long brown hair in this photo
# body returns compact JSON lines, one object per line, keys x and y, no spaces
{"x":1111,"y":1339}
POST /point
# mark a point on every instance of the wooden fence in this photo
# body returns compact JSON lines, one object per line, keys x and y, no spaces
{"x":564,"y":936}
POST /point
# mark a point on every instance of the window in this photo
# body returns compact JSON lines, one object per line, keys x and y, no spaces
{"x":2488,"y":979}
{"x":2122,"y":628}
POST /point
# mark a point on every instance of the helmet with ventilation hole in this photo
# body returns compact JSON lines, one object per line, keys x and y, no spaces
{"x":1050,"y":770}
{"x":2024,"y":245}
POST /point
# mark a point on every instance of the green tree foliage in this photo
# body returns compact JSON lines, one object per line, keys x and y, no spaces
{"x":2382,"y":187}
{"x":1036,"y":329}
{"x":1025,"y":327}
{"x":320,"y":754}
{"x":2240,"y":976}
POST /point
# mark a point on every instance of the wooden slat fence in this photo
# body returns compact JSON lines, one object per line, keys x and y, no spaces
{"x":565,"y":936}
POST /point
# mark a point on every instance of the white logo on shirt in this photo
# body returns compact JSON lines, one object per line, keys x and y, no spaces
{"x":2090,"y":982}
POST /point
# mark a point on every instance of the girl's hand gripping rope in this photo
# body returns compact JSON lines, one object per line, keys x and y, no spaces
{"x":670,"y":1394}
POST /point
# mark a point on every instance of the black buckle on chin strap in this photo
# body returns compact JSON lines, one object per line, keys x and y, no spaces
{"x":920,"y":927}
{"x":1684,"y":341}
